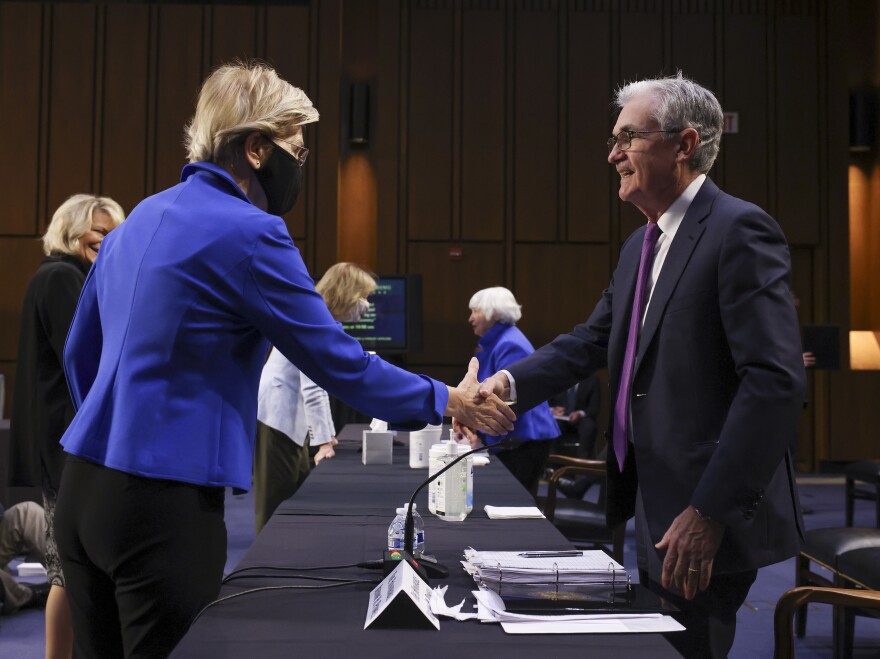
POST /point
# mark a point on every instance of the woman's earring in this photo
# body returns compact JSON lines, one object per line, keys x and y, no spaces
{"x":258,"y":164}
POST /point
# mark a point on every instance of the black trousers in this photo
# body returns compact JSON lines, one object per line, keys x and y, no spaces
{"x":141,"y":557}
{"x":709,"y":618}
{"x":527,"y":461}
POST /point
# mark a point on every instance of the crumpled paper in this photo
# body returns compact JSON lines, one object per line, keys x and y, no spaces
{"x":440,"y":608}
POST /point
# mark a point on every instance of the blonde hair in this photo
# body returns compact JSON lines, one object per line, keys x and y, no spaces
{"x":73,"y":220}
{"x":237,"y":99}
{"x":496,"y":304}
{"x":343,"y":285}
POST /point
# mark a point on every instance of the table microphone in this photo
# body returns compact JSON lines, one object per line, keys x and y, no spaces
{"x":428,"y":567}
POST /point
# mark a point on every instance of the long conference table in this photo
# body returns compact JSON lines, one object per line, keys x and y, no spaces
{"x":340,"y":516}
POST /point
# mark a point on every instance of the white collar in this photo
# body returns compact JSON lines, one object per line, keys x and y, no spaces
{"x":671,"y":219}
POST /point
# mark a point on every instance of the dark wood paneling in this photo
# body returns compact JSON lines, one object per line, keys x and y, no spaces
{"x":642,"y":27}
{"x":287,"y":49}
{"x":233,"y":33}
{"x":589,"y":122}
{"x":558,"y":286}
{"x":21,"y":256}
{"x":124,"y":128}
{"x":745,"y":91}
{"x":536,"y":122}
{"x":179,"y":74}
{"x":797,"y":125}
{"x":447,"y":288}
{"x":20,"y":66}
{"x":429,"y":158}
{"x":693,"y":40}
{"x":853,"y":395}
{"x":72,"y":112}
{"x":388,"y":137}
{"x":482,"y":118}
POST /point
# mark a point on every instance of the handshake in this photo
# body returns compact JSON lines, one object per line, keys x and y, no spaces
{"x":475,"y":405}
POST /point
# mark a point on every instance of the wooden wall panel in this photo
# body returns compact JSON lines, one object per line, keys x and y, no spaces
{"x":536,"y":121}
{"x":20,"y":87}
{"x":287,"y":49}
{"x":797,"y":122}
{"x":21,"y":256}
{"x":430,"y":153}
{"x":745,"y":90}
{"x":72,"y":148}
{"x":558,"y":286}
{"x":692,"y":40}
{"x":447,"y":287}
{"x":640,"y":22}
{"x":233,"y":33}
{"x":125,"y":73}
{"x":179,"y":75}
{"x":589,"y":122}
{"x":483,"y":114}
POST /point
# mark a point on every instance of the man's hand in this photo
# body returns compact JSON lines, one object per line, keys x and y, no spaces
{"x":809,"y":360}
{"x":691,"y":543}
{"x":497,"y":384}
{"x":478,"y":411}
{"x":576,"y":416}
{"x":326,"y":451}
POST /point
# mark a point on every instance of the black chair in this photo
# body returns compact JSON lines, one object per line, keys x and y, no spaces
{"x":824,"y":548}
{"x":582,"y":522}
{"x":862,"y":482}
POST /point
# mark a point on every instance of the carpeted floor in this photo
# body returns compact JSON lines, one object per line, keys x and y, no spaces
{"x":22,"y":635}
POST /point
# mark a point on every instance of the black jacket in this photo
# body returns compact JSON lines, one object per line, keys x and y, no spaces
{"x":41,"y":405}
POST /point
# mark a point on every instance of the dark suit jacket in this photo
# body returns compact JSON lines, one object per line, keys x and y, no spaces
{"x":718,"y":381}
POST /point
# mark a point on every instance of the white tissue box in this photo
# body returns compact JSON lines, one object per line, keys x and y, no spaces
{"x":377,"y":448}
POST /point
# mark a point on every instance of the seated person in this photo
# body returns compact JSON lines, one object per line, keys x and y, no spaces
{"x":22,"y":532}
{"x":579,"y":406}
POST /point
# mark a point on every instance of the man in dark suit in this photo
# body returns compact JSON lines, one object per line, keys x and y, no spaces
{"x":700,"y":337}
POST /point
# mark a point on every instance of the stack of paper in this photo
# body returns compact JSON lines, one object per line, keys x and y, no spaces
{"x":590,"y":567}
{"x":513,"y":512}
{"x":31,"y":570}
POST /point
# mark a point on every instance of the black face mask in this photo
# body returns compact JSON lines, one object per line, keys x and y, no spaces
{"x":281,"y":178}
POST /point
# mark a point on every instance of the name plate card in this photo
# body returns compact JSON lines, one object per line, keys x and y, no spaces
{"x":401,"y":600}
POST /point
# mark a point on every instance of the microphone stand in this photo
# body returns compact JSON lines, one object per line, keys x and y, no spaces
{"x":435,"y":569}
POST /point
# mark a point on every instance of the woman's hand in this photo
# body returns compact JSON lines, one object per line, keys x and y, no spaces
{"x":476,"y":410}
{"x":326,"y":450}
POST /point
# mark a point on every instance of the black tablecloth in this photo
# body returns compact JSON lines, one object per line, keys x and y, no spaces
{"x":341,"y":516}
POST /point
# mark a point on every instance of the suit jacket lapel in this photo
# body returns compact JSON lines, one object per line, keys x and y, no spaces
{"x":686,"y":239}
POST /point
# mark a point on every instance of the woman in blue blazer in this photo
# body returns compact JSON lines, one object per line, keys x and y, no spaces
{"x":163,"y":361}
{"x":494,"y":313}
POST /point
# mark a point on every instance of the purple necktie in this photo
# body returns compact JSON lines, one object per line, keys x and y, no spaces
{"x":621,"y":407}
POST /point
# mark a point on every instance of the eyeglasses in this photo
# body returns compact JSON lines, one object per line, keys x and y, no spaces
{"x":623,"y":140}
{"x":300,"y":153}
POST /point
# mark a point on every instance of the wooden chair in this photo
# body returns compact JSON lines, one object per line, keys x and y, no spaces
{"x":582,"y":522}
{"x":823,"y":548}
{"x":796,"y":598}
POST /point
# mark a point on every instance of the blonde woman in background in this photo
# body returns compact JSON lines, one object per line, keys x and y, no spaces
{"x":293,"y":413}
{"x":41,"y":408}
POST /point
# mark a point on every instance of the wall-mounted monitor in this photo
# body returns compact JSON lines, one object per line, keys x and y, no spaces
{"x":393,"y":323}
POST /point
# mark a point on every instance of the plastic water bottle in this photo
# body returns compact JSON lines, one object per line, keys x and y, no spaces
{"x":396,"y":533}
{"x":448,"y":493}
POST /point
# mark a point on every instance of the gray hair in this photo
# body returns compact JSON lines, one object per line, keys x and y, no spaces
{"x":73,"y":220}
{"x":497,"y":304}
{"x":682,"y":103}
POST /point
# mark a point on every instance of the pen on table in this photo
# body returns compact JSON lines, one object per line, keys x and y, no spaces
{"x":550,"y":554}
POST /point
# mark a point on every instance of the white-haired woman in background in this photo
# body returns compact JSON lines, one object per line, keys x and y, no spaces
{"x":41,"y":408}
{"x":494,"y":314}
